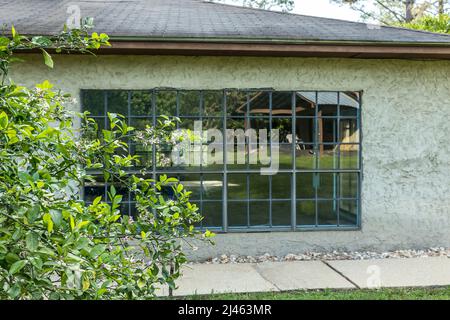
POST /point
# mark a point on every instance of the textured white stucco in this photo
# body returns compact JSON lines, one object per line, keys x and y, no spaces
{"x":405,"y":126}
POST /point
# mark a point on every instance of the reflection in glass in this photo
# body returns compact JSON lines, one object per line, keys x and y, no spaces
{"x":212,"y":213}
{"x":349,"y":156}
{"x":189,"y":103}
{"x":327,"y":212}
{"x":348,"y":185}
{"x":212,"y":103}
{"x":259,"y":213}
{"x":237,"y":213}
{"x":348,"y":212}
{"x":349,"y":132}
{"x":141,"y":103}
{"x":94,"y":102}
{"x":166,"y":102}
{"x":281,"y":213}
{"x":281,"y":186}
{"x":305,"y":185}
{"x":118,"y":102}
{"x":306,"y":213}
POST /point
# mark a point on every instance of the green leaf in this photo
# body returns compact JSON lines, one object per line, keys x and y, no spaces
{"x":14,"y":291}
{"x":17,"y":266}
{"x":47,"y":218}
{"x":56,"y":217}
{"x":32,"y":241}
{"x":4,"y":121}
{"x":33,"y":213}
{"x":47,"y":59}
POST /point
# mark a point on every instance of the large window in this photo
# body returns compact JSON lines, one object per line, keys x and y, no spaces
{"x":319,"y":149}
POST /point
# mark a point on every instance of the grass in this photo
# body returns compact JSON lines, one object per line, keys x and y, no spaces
{"x":437,"y":293}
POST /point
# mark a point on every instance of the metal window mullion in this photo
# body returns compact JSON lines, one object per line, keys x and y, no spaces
{"x":270,"y":148}
{"x":316,"y":176}
{"x":225,"y":166}
{"x":106,"y":128}
{"x":201,"y":138}
{"x":129,"y":143}
{"x":294,"y":164}
{"x":360,"y":166}
{"x":154,"y":93}
{"x":338,"y":176}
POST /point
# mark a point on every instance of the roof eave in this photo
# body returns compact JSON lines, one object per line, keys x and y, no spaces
{"x":270,"y":47}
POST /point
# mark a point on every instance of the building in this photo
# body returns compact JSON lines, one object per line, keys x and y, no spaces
{"x":363,"y":114}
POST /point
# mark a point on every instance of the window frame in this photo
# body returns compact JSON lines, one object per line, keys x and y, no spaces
{"x":226,"y":172}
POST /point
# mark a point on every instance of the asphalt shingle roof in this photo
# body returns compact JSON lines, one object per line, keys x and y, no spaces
{"x":197,"y":19}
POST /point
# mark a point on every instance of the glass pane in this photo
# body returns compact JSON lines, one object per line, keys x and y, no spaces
{"x":281,"y":186}
{"x":189,"y":102}
{"x":281,"y":213}
{"x":92,"y":133}
{"x":304,"y":130}
{"x":327,"y":157}
{"x":133,"y":210}
{"x":118,"y":102}
{"x":327,"y":130}
{"x":144,"y":153}
{"x":305,"y":103}
{"x":141,"y":103}
{"x":349,"y":156}
{"x":259,"y":213}
{"x":237,"y":186}
{"x":306,"y":213}
{"x":327,"y":102}
{"x":348,"y":211}
{"x":282,"y":103}
{"x":191,"y":182}
{"x":236,"y":103}
{"x":349,"y":131}
{"x":259,"y":186}
{"x":140,"y":123}
{"x":212,"y":213}
{"x":259,"y":103}
{"x":164,"y":159}
{"x":94,"y":102}
{"x":284,"y":127}
{"x":326,"y":185}
{"x":212,"y":103}
{"x":305,"y":157}
{"x":259,"y":124}
{"x":237,"y":213}
{"x":259,"y":156}
{"x":285,"y":156}
{"x":237,"y":156}
{"x":349,"y":104}
{"x":212,"y":186}
{"x":93,"y":190}
{"x":327,"y":211}
{"x":305,"y":186}
{"x":349,"y":185}
{"x":166,"y":102}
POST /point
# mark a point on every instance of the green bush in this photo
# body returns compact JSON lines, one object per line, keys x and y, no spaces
{"x":52,"y":244}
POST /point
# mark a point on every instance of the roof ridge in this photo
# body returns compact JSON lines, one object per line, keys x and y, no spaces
{"x":323,"y":18}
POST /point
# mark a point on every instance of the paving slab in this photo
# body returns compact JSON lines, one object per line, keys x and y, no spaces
{"x":411,"y":272}
{"x":221,"y":278}
{"x":299,"y":275}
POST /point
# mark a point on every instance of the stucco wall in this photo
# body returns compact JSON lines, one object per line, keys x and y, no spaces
{"x":406,"y":134}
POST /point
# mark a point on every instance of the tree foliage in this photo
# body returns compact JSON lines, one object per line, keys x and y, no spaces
{"x":440,"y":23}
{"x":53,"y":245}
{"x":393,"y":12}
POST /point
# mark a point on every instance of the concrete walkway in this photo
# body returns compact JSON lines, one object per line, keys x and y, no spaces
{"x":301,"y":275}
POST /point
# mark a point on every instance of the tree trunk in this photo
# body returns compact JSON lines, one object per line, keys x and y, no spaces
{"x":441,"y":6}
{"x":409,"y":10}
